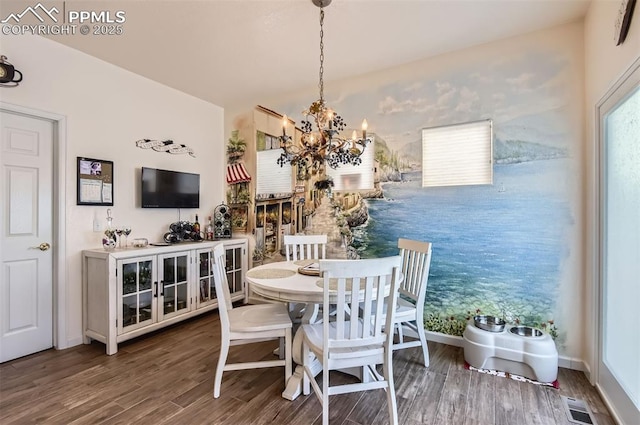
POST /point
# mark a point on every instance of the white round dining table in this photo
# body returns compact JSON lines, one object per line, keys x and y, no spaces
{"x":281,"y":281}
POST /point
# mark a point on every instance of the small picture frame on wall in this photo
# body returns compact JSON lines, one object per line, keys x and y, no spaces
{"x":95,"y":182}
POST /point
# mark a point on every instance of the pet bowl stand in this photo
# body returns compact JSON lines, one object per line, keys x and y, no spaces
{"x":534,"y":357}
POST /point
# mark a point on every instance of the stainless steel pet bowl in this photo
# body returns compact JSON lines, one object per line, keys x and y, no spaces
{"x":525,"y":331}
{"x":489,"y":323}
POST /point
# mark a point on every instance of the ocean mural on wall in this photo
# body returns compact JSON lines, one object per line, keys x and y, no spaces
{"x":497,"y":249}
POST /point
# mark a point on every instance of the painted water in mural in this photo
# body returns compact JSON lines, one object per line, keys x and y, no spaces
{"x":496,"y":248}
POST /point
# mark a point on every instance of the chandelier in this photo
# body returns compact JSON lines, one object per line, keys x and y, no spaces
{"x":324,"y":145}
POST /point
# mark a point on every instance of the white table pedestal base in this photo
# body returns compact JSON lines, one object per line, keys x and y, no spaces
{"x":294,"y":385}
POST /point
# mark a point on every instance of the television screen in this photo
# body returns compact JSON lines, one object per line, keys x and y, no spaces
{"x":169,"y":189}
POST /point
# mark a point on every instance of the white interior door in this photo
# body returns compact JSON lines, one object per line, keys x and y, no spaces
{"x":26,"y":274}
{"x":618,"y":375}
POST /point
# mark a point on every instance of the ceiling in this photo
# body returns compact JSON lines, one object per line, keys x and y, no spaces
{"x":230,"y":52}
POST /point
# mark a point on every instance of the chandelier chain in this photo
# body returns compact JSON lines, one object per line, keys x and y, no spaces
{"x":321,"y":82}
{"x":325,"y":146}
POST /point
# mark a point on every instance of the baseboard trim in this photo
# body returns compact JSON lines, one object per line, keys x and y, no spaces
{"x":444,"y":339}
{"x":457,"y":341}
{"x":69,"y":343}
{"x":610,"y":407}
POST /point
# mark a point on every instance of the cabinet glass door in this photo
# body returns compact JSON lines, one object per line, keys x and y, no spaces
{"x":233,"y":267}
{"x":206,"y":286}
{"x":135,"y":281}
{"x":174,"y":284}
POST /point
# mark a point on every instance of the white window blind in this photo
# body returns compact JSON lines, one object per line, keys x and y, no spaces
{"x":456,"y":155}
{"x":355,"y":177}
{"x":272,"y":178}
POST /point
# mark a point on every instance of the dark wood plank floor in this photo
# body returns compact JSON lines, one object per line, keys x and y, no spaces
{"x":167,"y":378}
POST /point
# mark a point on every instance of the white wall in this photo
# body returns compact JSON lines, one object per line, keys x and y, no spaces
{"x":107,"y":109}
{"x":604,"y":64}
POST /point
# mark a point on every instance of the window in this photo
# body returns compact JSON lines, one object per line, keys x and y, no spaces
{"x":456,"y":155}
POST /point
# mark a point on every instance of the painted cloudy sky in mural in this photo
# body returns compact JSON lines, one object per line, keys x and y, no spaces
{"x":520,"y":94}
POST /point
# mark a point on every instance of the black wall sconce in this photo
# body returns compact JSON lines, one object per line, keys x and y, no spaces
{"x":9,"y":75}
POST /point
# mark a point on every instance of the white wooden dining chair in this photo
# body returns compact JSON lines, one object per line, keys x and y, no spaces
{"x":305,"y":247}
{"x":344,"y":341}
{"x":409,"y":313}
{"x":246,"y":325}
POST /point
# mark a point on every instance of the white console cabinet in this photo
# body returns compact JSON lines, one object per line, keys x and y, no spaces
{"x":129,"y":292}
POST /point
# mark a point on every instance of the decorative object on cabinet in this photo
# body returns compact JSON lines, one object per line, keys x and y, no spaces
{"x":168,"y":146}
{"x":128,"y":293}
{"x":9,"y":75}
{"x":95,"y":182}
{"x":182,"y":231}
{"x":325,"y":145}
{"x":140,"y":242}
{"x":109,"y":240}
{"x":222,"y":221}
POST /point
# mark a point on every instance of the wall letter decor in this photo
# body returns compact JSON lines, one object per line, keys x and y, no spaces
{"x":168,"y":146}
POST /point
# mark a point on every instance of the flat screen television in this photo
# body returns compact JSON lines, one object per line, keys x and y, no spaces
{"x":169,"y":189}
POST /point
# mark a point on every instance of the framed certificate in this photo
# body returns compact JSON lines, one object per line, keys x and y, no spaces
{"x":95,"y":182}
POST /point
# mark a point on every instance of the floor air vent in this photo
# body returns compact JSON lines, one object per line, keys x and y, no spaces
{"x":578,"y":411}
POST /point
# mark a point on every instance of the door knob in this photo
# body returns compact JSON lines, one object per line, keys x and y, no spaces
{"x":42,"y":247}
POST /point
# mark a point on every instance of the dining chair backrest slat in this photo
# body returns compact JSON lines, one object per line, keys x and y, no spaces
{"x":305,"y":247}
{"x":416,"y":260}
{"x":222,"y":287}
{"x":347,"y":284}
